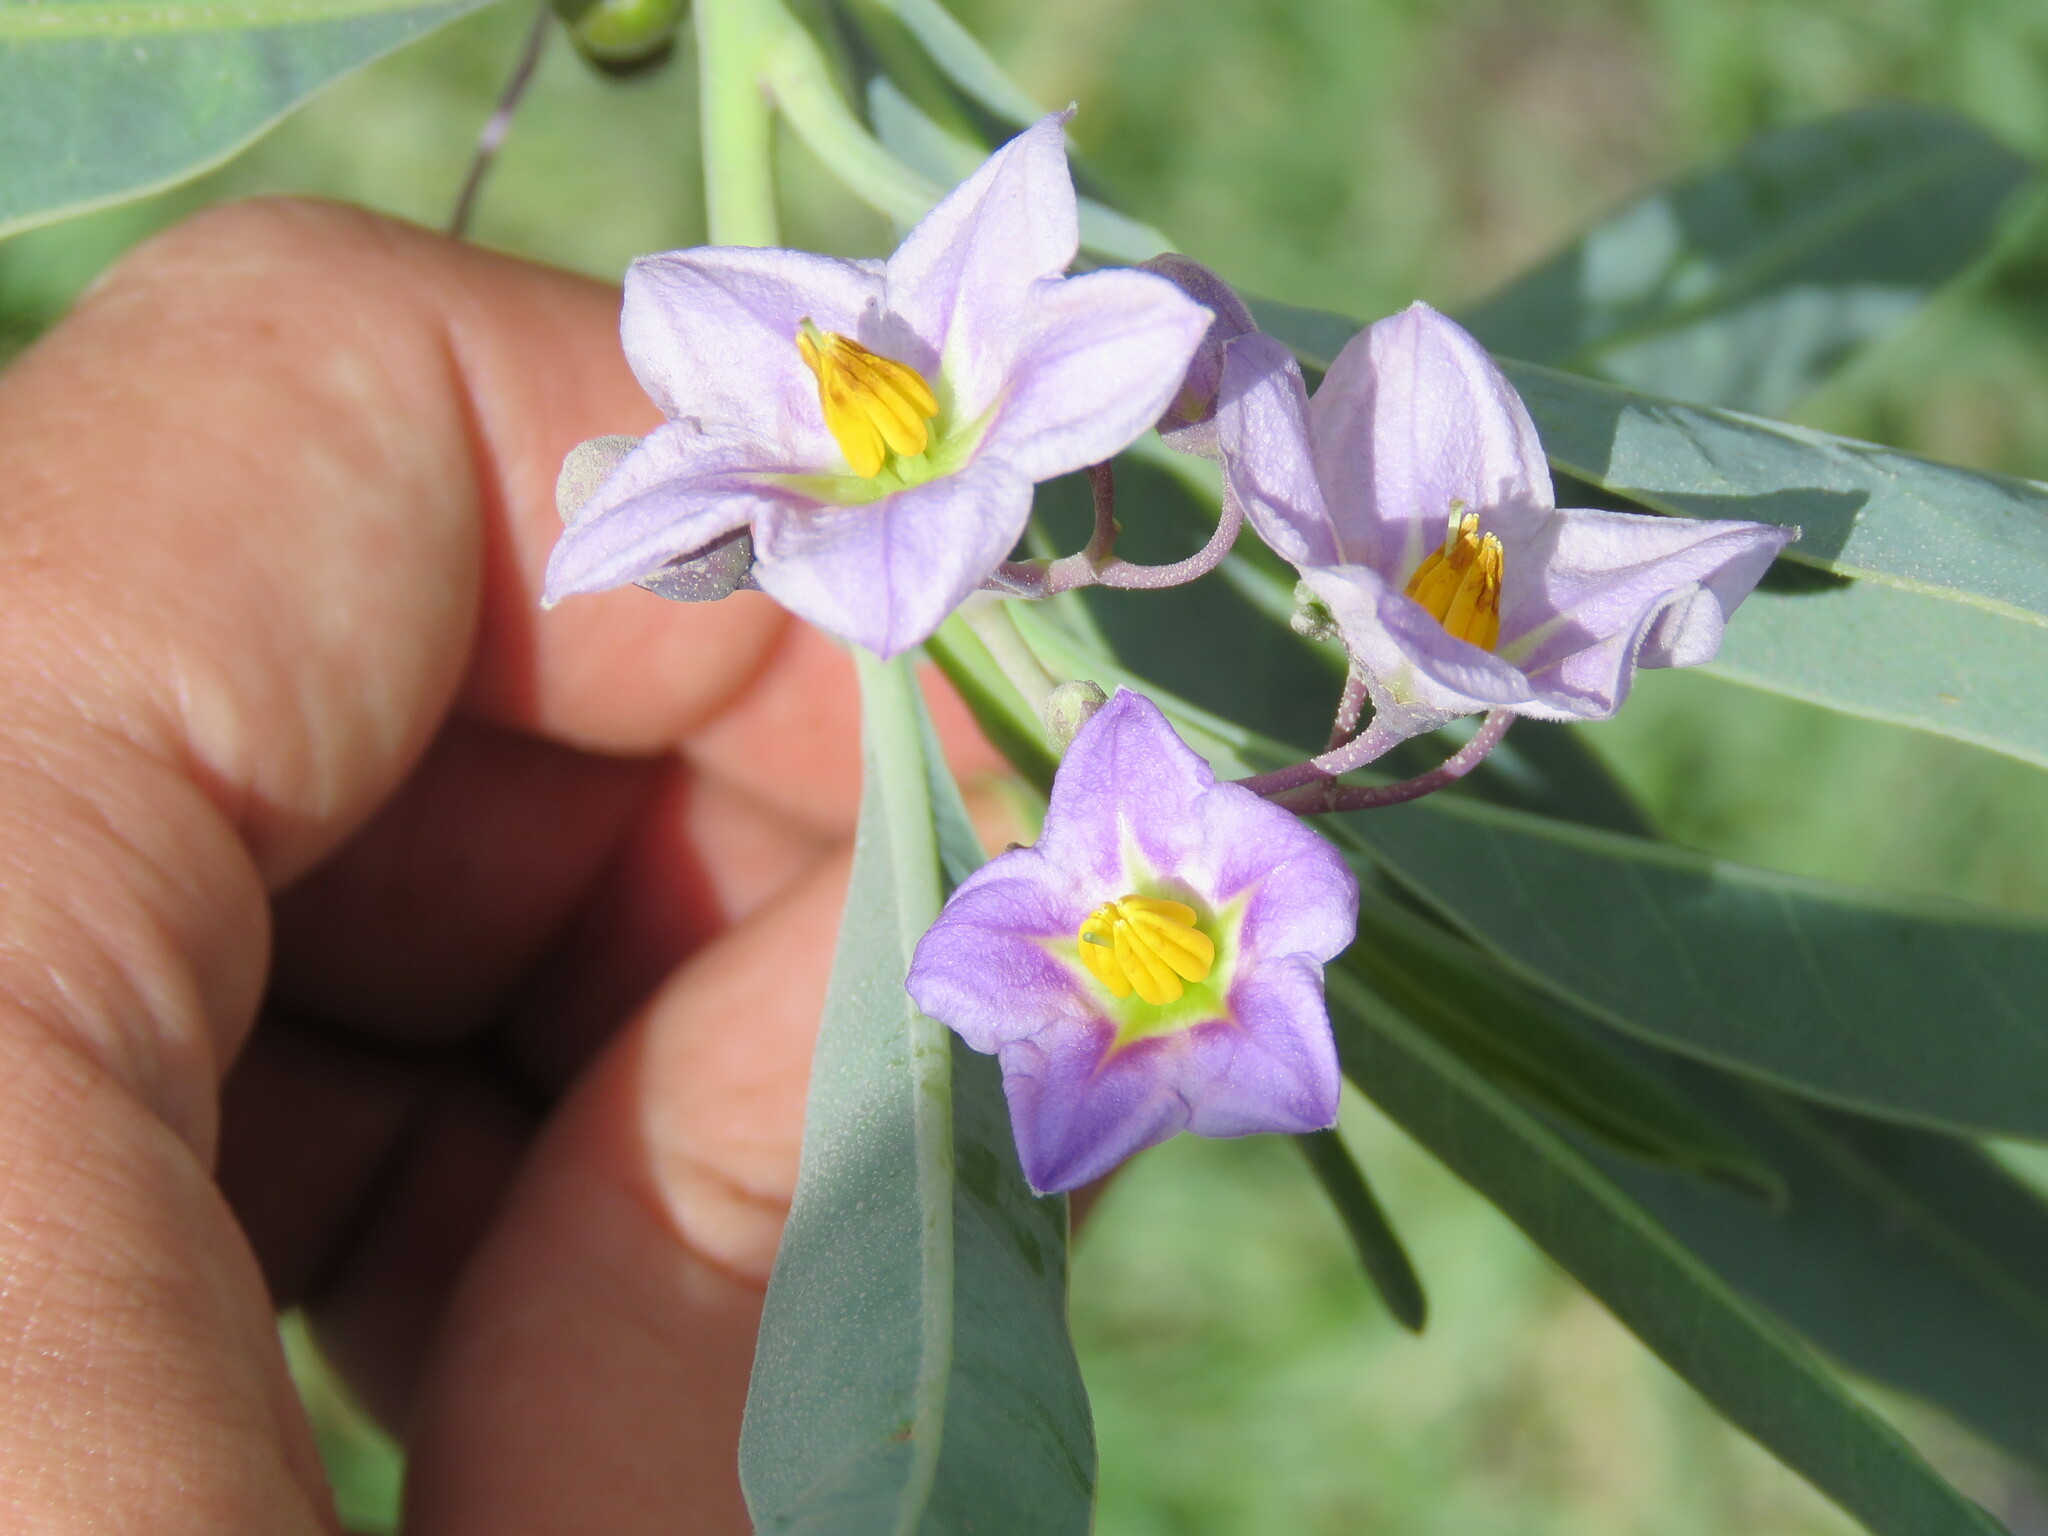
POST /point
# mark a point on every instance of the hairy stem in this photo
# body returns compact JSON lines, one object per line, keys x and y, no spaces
{"x":1102,"y":542}
{"x":1320,"y":798}
{"x":1350,"y":706}
{"x":1037,"y":579}
{"x":499,"y":123}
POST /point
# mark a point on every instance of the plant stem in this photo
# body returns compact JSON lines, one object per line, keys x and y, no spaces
{"x":1350,"y":706}
{"x":989,"y":618}
{"x":1102,"y":542}
{"x":499,"y":123}
{"x":802,"y":85}
{"x":1094,"y":566}
{"x":733,"y":37}
{"x":1324,"y":794}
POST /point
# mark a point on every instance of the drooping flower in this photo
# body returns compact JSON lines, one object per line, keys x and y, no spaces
{"x":1153,"y":963}
{"x":1413,"y":496}
{"x":878,"y":426}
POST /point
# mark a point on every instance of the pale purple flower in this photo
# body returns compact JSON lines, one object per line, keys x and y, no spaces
{"x":995,"y":372}
{"x":1238,"y":1042}
{"x":1416,"y":445}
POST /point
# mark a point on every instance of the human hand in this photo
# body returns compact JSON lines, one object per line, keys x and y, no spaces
{"x":519,"y":1122}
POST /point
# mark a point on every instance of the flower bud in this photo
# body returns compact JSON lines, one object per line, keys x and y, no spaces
{"x":720,"y":569}
{"x":1187,"y":426}
{"x":1071,"y":706}
{"x":588,"y":466}
{"x":623,"y":37}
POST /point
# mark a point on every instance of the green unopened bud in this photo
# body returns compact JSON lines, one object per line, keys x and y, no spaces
{"x":1071,"y":706}
{"x":1312,"y":619}
{"x":623,"y":37}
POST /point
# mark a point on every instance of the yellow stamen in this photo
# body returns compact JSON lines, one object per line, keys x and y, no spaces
{"x":873,"y":405}
{"x":1145,"y":945}
{"x":1460,"y":584}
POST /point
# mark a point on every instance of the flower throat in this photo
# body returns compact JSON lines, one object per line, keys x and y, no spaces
{"x":1145,"y":945}
{"x":1459,"y":584}
{"x":873,"y":405}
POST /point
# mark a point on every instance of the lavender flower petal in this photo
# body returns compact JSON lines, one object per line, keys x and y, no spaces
{"x":1188,"y":425}
{"x":1412,"y":416}
{"x":962,"y":280}
{"x":885,"y":575}
{"x":1261,"y":433}
{"x":1099,"y":362}
{"x":711,"y":334}
{"x":679,"y":491}
{"x":1621,"y":590}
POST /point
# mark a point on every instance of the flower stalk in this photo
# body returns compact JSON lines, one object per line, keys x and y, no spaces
{"x":1097,"y":565}
{"x":1327,"y":795}
{"x":733,"y":42}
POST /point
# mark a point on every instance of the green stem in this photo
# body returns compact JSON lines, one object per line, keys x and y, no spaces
{"x":989,"y":618}
{"x":733,"y":40}
{"x":803,"y":87}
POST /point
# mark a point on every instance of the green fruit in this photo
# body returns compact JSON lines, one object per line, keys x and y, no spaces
{"x":623,"y":37}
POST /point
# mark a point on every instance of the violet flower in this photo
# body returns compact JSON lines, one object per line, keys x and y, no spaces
{"x":1153,"y":963}
{"x":1413,"y":496}
{"x":879,"y":426}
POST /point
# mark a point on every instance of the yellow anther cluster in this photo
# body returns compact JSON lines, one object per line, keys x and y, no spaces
{"x":1460,"y":583}
{"x":1148,"y":946}
{"x":873,"y":405}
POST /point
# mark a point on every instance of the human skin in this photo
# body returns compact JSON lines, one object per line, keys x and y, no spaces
{"x":506,"y":932}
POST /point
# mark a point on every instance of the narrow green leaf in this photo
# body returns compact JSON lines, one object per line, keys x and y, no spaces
{"x":1900,"y":657}
{"x":1917,"y":1010}
{"x":1747,"y":285}
{"x":913,"y":1372}
{"x":1909,"y":1256}
{"x":1527,"y":1042}
{"x":1380,"y":1253}
{"x":1863,"y":510}
{"x":1759,"y":1378}
{"x":109,"y":99}
{"x":1011,"y":727}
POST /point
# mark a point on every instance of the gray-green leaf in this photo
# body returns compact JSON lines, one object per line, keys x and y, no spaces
{"x":1747,"y":285}
{"x":1917,"y":1010}
{"x":914,"y":1372}
{"x":1760,"y":1378}
{"x":1909,"y":1256}
{"x":109,"y":99}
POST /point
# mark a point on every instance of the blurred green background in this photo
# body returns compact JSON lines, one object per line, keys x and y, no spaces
{"x":1353,"y":154}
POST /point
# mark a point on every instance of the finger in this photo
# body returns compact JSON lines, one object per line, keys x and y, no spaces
{"x":332,"y":1154}
{"x":255,"y":489}
{"x":594,"y":1364}
{"x":417,"y":930}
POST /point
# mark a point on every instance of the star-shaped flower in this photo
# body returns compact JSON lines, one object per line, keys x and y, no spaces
{"x":1413,"y":495}
{"x":878,"y":426}
{"x":1153,"y":963}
